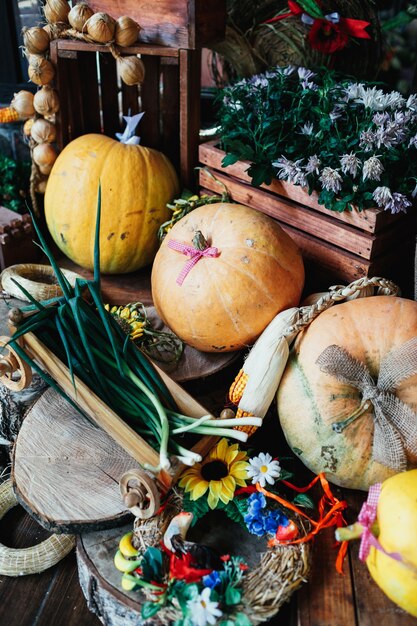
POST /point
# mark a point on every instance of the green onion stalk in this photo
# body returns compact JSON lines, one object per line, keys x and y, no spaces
{"x":85,"y":336}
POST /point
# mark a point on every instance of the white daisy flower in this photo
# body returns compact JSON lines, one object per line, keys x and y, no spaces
{"x":263,"y":469}
{"x":202,"y":610}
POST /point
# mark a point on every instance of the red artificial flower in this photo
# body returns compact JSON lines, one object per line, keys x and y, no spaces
{"x":327,"y":37}
{"x":225,"y":557}
{"x":182,"y":568}
{"x":243,"y":567}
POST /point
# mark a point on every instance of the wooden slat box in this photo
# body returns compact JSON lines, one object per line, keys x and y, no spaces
{"x":346,"y":245}
{"x":178,"y":23}
{"x":16,"y":239}
{"x":92,"y":101}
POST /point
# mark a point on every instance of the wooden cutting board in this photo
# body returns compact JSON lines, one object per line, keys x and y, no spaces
{"x":66,"y":470}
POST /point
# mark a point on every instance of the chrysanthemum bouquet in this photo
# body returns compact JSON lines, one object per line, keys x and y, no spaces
{"x":351,"y":142}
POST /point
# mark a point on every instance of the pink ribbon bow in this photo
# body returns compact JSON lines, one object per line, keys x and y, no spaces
{"x":367,"y":517}
{"x":195,"y":255}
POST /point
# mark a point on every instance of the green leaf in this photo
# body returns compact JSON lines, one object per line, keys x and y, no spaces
{"x":303,"y":500}
{"x":232,"y":596}
{"x":152,"y":564}
{"x":97,"y":240}
{"x":242,"y":620}
{"x":149,"y":609}
{"x":230,"y":159}
{"x":236,"y":509}
{"x":199,"y":508}
{"x":339,"y":206}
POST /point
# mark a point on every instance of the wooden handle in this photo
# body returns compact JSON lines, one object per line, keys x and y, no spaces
{"x":10,"y":365}
{"x":140,"y":493}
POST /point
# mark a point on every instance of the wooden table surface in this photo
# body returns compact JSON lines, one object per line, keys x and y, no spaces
{"x":54,"y":597}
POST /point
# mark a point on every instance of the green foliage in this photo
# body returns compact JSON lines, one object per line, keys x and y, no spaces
{"x":303,"y":500}
{"x":14,"y":183}
{"x":199,"y":508}
{"x":284,"y":121}
{"x":152,"y":565}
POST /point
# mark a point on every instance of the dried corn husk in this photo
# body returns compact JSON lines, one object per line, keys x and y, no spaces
{"x":100,"y":27}
{"x":23,"y":103}
{"x":41,"y":71}
{"x":131,"y":70}
{"x":41,"y":186}
{"x":56,"y":10}
{"x":126,"y":31}
{"x":79,"y":15}
{"x":44,"y":155}
{"x":43,"y":131}
{"x":266,"y":363}
{"x":36,"y":40}
{"x":46,"y":101}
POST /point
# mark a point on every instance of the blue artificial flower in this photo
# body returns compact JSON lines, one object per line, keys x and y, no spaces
{"x":271,"y":523}
{"x":256,"y":502}
{"x":255,"y":525}
{"x":212,"y":580}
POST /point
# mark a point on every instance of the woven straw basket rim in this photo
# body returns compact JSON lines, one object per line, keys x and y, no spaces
{"x":38,"y":280}
{"x":33,"y":560}
{"x":280,"y":571}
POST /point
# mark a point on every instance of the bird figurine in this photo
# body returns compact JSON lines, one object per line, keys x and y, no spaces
{"x":199,"y":555}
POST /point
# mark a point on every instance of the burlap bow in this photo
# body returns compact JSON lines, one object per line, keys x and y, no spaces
{"x":395,"y":423}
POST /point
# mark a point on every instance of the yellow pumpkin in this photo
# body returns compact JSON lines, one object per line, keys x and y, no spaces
{"x":136,"y":184}
{"x":226,"y":301}
{"x":397,"y":522}
{"x":311,"y":402}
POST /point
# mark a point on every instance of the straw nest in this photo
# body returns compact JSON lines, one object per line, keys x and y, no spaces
{"x":267,"y":586}
{"x":24,"y":561}
{"x":38,"y":280}
{"x":251,"y":46}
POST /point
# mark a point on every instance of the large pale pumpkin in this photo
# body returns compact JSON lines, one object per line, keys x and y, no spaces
{"x":225,"y":302}
{"x":136,"y":184}
{"x":310,"y":401}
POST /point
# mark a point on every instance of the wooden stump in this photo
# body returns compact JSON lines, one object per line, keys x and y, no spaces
{"x":66,"y":471}
{"x":100,"y":580}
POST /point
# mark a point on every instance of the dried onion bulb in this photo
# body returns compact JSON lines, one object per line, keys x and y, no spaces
{"x":44,"y":155}
{"x":46,"y":101}
{"x":79,"y":15}
{"x":56,"y":10}
{"x":23,"y":104}
{"x":43,"y":131}
{"x":131,"y":70}
{"x":100,"y":27}
{"x":40,"y":70}
{"x":36,"y":40}
{"x":126,"y":32}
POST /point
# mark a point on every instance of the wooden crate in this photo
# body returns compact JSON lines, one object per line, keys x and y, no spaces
{"x":93,"y":100}
{"x":178,"y":23}
{"x":346,"y":246}
{"x":16,"y":239}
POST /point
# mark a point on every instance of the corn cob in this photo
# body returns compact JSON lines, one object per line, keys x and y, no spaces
{"x":8,"y":115}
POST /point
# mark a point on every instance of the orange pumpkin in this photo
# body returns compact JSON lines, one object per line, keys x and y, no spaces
{"x":311,"y":401}
{"x":136,"y":184}
{"x":226,"y":301}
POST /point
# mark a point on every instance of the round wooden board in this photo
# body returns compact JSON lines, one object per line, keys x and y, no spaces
{"x":193,"y":363}
{"x":66,"y":470}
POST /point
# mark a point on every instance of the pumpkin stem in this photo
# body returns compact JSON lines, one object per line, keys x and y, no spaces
{"x":199,"y":241}
{"x":354,"y":531}
{"x":339,"y":427}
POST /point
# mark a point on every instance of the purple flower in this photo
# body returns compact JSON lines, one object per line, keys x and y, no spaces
{"x":212,"y":580}
{"x":399,"y":203}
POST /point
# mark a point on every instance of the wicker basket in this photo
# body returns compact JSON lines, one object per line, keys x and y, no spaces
{"x":251,"y":46}
{"x":275,"y":573}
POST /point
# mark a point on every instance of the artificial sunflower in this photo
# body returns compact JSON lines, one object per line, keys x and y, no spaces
{"x":220,"y":472}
